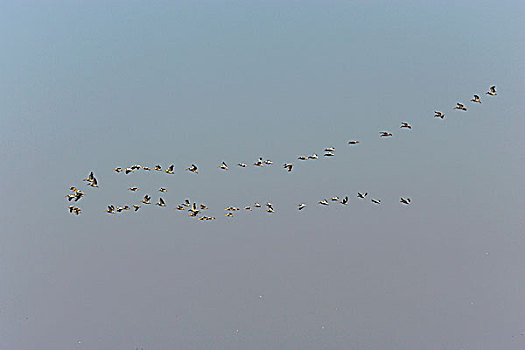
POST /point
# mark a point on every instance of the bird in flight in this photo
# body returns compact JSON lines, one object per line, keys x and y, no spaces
{"x":170,"y":170}
{"x":223,"y":166}
{"x":162,"y":189}
{"x":362,"y":195}
{"x":476,"y":99}
{"x":323,"y":202}
{"x":406,"y":125}
{"x":301,"y":206}
{"x":288,"y":166}
{"x":385,"y":134}
{"x":344,"y":201}
{"x":193,"y":169}
{"x":242,"y":165}
{"x":376,"y":201}
{"x":492,"y":91}
{"x":146,"y":199}
{"x":460,"y":106}
{"x":405,"y":201}
{"x":133,"y":189}
{"x":353,"y":142}
{"x":161,"y":202}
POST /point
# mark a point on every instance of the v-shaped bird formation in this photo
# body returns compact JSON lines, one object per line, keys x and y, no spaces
{"x":197,"y":210}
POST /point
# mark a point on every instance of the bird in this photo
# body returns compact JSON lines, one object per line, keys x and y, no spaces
{"x":203,"y":207}
{"x":186,"y":203}
{"x":329,"y":149}
{"x":492,"y":91}
{"x":242,"y":165}
{"x":135,"y":167}
{"x":288,"y":166}
{"x":146,"y":199}
{"x":476,"y":99}
{"x":70,"y":197}
{"x":270,"y":210}
{"x":313,"y":156}
{"x":259,"y":162}
{"x":344,"y":201}
{"x":334,"y":199}
{"x":223,"y":166}
{"x":460,"y":106}
{"x":229,"y":214}
{"x":361,"y":195}
{"x":353,"y":142}
{"x":162,"y":189}
{"x":376,"y":201}
{"x":301,"y":206}
{"x":179,"y":207}
{"x":146,"y":168}
{"x":329,"y":154}
{"x":256,"y":205}
{"x":269,"y":205}
{"x":136,"y":207}
{"x":303,"y":158}
{"x":128,"y":170}
{"x":406,"y":125}
{"x":170,"y":170}
{"x":385,"y":134}
{"x":323,"y":202}
{"x":90,"y":177}
{"x":193,"y":169}
{"x":438,"y":114}
{"x":405,"y":200}
{"x":268,"y":162}
{"x":133,"y":189}
{"x":78,"y":195}
{"x":93,"y":183}
{"x":161,"y":202}
{"x":157,"y":167}
{"x":117,"y":170}
{"x":248,"y":208}
{"x":111,"y":209}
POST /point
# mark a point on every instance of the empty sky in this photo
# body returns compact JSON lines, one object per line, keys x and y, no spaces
{"x":88,"y":86}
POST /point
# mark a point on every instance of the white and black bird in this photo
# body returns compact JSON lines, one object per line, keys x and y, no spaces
{"x":170,"y":169}
{"x":302,"y":158}
{"x":329,"y":154}
{"x":362,"y":195}
{"x":133,"y":189}
{"x":385,"y":134}
{"x":344,"y":201}
{"x":259,"y":162}
{"x":405,"y":125}
{"x":223,"y":166}
{"x":301,"y":206}
{"x":329,"y":149}
{"x":376,"y":201}
{"x":242,"y":165}
{"x":405,"y":201}
{"x":353,"y":142}
{"x":146,"y":199}
{"x":438,"y":114}
{"x":162,"y":189}
{"x":161,"y":202}
{"x":476,"y":99}
{"x":193,"y":169}
{"x":323,"y":202}
{"x":288,"y":166}
{"x":313,"y":156}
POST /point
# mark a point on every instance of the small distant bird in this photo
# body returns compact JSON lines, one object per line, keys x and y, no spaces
{"x":361,"y":195}
{"x":269,"y":205}
{"x":74,"y":210}
{"x":133,"y":189}
{"x":170,"y":169}
{"x":353,"y":142}
{"x":146,"y":199}
{"x":476,"y":99}
{"x":111,"y":209}
{"x":135,"y":167}
{"x":288,"y":166}
{"x":406,"y":125}
{"x":329,"y":154}
{"x":203,"y":207}
{"x":162,"y":189}
{"x":344,"y":201}
{"x":323,"y":202}
{"x":329,"y":149}
{"x":157,"y":167}
{"x":146,"y":168}
{"x":179,"y":207}
{"x":223,"y":166}
{"x":186,"y":203}
{"x":70,"y":197}
{"x":376,"y":201}
{"x":229,"y":214}
{"x":385,"y":134}
{"x":313,"y":156}
{"x":268,"y":162}
{"x":257,"y":205}
{"x":270,"y":210}
{"x":136,"y":207}
{"x":248,"y":208}
{"x":78,"y":195}
{"x":161,"y":202}
{"x":302,"y":158}
{"x":242,"y":165}
{"x":90,"y":177}
{"x":301,"y":206}
{"x":193,"y":169}
{"x":93,"y":183}
{"x":460,"y":106}
{"x":128,"y":170}
{"x":492,"y":91}
{"x":405,"y":200}
{"x":259,"y":162}
{"x":335,"y":199}
{"x":438,"y":114}
{"x":118,"y":170}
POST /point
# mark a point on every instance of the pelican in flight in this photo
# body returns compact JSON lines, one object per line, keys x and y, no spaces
{"x":170,"y":170}
{"x":376,"y":201}
{"x":74,"y":210}
{"x":248,"y":208}
{"x":323,"y":202}
{"x":162,"y":189}
{"x":242,"y":165}
{"x":438,"y":114}
{"x":288,"y":166}
{"x":146,"y":168}
{"x":161,"y":202}
{"x":133,"y":189}
{"x":301,"y":206}
{"x":353,"y":142}
{"x":203,"y":207}
{"x":146,"y":199}
{"x":406,"y":125}
{"x":193,"y":169}
{"x":492,"y":91}
{"x":70,"y":196}
{"x":256,"y":205}
{"x":460,"y":106}
{"x":179,"y":207}
{"x":344,"y":201}
{"x":229,"y":214}
{"x":385,"y":134}
{"x":362,"y":195}
{"x":476,"y":99}
{"x":405,"y":200}
{"x":186,"y":203}
{"x":223,"y":166}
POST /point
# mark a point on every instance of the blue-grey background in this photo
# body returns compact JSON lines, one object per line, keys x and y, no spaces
{"x":91,"y":85}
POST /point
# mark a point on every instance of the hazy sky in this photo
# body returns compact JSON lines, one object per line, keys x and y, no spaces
{"x":91,"y":85}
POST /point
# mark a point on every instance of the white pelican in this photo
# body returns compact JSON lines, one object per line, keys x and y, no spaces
{"x":344,"y":201}
{"x":186,"y":203}
{"x":268,"y":162}
{"x":90,"y":177}
{"x":376,"y":201}
{"x":128,"y":170}
{"x":223,"y":166}
{"x":313,"y":156}
{"x":323,"y":202}
{"x":93,"y":183}
{"x":257,"y":205}
{"x":302,"y":158}
{"x":259,"y":162}
{"x":301,"y":206}
{"x":229,"y":214}
{"x":329,"y":149}
{"x":361,"y":195}
{"x":157,"y":167}
{"x":118,"y":170}
{"x":335,"y":199}
{"x":179,"y":207}
{"x":136,"y":207}
{"x":70,"y":197}
{"x":242,"y":165}
{"x":405,"y":200}
{"x":111,"y":209}
{"x":162,"y":189}
{"x":329,"y":154}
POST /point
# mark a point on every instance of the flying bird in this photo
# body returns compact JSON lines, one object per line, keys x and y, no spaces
{"x":133,"y":189}
{"x":146,"y":199}
{"x":323,"y":202}
{"x":223,"y":166}
{"x":385,"y":134}
{"x":361,"y":195}
{"x":476,"y":99}
{"x":492,"y":91}
{"x":344,"y":201}
{"x":313,"y":156}
{"x":161,"y":202}
{"x":242,"y":165}
{"x":288,"y":166}
{"x":376,"y":201}
{"x":162,"y":189}
{"x":170,"y":170}
{"x":353,"y":142}
{"x":405,"y":200}
{"x":301,"y":206}
{"x":438,"y":114}
{"x":460,"y":106}
{"x":406,"y":125}
{"x":193,"y":169}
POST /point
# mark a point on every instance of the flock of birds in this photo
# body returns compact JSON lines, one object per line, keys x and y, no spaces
{"x":195,"y":209}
